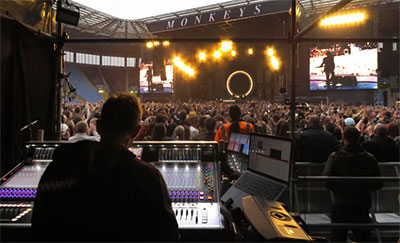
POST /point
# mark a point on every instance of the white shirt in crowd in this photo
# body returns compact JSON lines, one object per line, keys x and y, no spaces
{"x":83,"y":136}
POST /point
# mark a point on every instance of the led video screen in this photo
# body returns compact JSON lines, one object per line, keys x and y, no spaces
{"x":344,"y":66}
{"x":151,"y":82}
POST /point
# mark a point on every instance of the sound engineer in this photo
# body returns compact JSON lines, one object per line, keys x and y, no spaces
{"x":235,"y":126}
{"x":99,"y":191}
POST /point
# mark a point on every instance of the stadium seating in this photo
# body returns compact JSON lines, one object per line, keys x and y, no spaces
{"x":84,"y":88}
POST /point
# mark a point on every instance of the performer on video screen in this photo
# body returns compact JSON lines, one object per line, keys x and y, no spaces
{"x":149,"y":76}
{"x":329,"y":68}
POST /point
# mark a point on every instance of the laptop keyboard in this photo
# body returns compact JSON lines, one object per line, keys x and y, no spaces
{"x":257,"y":186}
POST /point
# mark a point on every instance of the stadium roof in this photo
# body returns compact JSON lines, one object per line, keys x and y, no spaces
{"x":96,"y":24}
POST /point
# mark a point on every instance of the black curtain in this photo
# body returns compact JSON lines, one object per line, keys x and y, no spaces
{"x":27,"y":88}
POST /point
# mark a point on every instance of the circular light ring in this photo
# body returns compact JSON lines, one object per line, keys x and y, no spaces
{"x":228,"y":83}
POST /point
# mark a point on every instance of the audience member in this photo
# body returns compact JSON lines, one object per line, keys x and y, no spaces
{"x":314,"y":144}
{"x":81,"y":133}
{"x":282,"y":128}
{"x":351,"y":200}
{"x":381,"y":146}
{"x":235,"y":126}
{"x":209,"y":134}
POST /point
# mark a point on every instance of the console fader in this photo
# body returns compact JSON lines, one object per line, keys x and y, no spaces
{"x":19,"y":186}
{"x":190,"y":172}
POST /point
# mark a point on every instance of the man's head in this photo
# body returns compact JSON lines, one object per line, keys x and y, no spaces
{"x":349,"y":122}
{"x":202,"y":119}
{"x":81,"y":127}
{"x":314,"y":121}
{"x":182,"y":115}
{"x":351,"y":135}
{"x":120,"y":117}
{"x":210,"y":123}
{"x":380,"y":130}
{"x":161,"y":117}
{"x":77,"y":110}
{"x":235,"y":112}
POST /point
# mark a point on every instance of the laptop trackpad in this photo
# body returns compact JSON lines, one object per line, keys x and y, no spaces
{"x":236,"y":196}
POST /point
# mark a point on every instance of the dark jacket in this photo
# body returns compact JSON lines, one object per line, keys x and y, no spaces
{"x":352,"y":160}
{"x":383,"y":148}
{"x":315,"y":145}
{"x":97,"y":192}
{"x":204,"y":136}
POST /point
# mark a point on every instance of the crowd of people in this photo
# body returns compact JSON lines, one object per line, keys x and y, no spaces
{"x":348,"y":139}
{"x":319,"y":127}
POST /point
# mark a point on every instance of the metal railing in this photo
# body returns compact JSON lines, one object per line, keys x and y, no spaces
{"x":308,"y":179}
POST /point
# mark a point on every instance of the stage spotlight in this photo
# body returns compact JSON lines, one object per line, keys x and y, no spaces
{"x":202,"y":56}
{"x":233,"y":53}
{"x":165,"y":43}
{"x":183,"y":67}
{"x":349,"y":18}
{"x":250,"y":51}
{"x":149,"y":44}
{"x":270,"y":52}
{"x":217,"y":54}
{"x":226,"y":46}
{"x":156,"y":43}
{"x":275,"y":63}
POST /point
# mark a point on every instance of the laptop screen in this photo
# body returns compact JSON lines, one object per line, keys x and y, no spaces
{"x":270,"y":155}
{"x":239,"y":143}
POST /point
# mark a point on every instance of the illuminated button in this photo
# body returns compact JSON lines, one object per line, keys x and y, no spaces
{"x":201,"y":193}
{"x":209,"y":197}
{"x":201,"y":197}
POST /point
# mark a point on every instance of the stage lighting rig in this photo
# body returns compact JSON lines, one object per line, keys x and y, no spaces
{"x":226,"y":46}
{"x":217,"y":54}
{"x":274,"y":61}
{"x":149,"y":44}
{"x":202,"y":56}
{"x":343,"y":19}
{"x":67,"y":15}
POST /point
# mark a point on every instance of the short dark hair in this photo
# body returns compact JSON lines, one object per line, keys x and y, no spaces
{"x":330,"y":127}
{"x":202,"y":119}
{"x":161,"y":117}
{"x":77,"y":110}
{"x":158,"y":132}
{"x":121,"y":113}
{"x":380,"y":130}
{"x":182,"y":115}
{"x":352,"y":134}
{"x":235,"y":112}
{"x":314,"y":121}
{"x":209,"y":123}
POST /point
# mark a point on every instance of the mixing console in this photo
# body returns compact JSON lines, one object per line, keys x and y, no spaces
{"x":237,"y":162}
{"x":175,"y":151}
{"x":192,"y":189}
{"x":19,"y":186}
{"x":189,"y":169}
{"x":179,"y":155}
{"x":189,"y":182}
{"x":13,"y":212}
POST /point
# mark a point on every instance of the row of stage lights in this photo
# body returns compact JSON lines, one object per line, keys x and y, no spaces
{"x":226,"y":47}
{"x":151,"y":44}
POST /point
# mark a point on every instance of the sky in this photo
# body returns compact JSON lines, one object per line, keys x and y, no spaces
{"x":134,"y":9}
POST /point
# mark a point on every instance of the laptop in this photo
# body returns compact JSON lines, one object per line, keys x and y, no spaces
{"x":268,"y":171}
